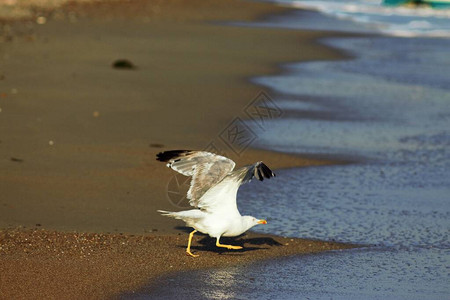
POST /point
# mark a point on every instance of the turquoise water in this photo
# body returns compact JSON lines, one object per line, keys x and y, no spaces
{"x":386,"y":114}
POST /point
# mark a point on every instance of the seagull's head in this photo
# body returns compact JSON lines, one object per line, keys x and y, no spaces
{"x":252,"y":221}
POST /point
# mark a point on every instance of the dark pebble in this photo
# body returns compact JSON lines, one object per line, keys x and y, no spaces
{"x":157,"y":145}
{"x":123,"y":64}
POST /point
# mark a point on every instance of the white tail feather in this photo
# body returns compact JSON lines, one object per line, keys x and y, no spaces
{"x":185,"y":215}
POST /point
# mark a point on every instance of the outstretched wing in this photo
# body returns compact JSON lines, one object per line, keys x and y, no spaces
{"x":222,"y":196}
{"x":206,"y":169}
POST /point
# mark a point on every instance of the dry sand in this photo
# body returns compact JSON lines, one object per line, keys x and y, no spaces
{"x":78,"y":138}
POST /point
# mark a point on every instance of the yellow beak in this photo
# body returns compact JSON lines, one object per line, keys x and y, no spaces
{"x":262,"y":222}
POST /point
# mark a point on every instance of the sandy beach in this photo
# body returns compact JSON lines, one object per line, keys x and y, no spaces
{"x":78,"y":138}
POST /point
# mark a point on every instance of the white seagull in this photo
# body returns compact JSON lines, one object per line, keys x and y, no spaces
{"x":212,"y":192}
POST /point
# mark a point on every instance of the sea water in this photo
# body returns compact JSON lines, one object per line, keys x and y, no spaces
{"x":386,"y":114}
{"x":372,"y":15}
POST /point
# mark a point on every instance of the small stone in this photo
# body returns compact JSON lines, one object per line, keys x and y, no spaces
{"x":123,"y":64}
{"x":41,"y":20}
{"x":156,"y":145}
{"x":95,"y":114}
{"x":51,"y":143}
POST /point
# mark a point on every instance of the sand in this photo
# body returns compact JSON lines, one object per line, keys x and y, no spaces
{"x":39,"y":264}
{"x":78,"y":138}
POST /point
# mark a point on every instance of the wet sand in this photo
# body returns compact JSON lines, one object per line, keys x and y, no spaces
{"x":78,"y":137}
{"x":40,"y":264}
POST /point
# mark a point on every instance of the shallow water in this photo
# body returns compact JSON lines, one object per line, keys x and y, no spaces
{"x":387,"y":114}
{"x":388,"y":110}
{"x":351,"y":274}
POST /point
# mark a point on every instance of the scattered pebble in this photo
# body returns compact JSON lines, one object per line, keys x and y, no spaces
{"x":51,"y":143}
{"x":95,"y":114}
{"x":123,"y":64}
{"x":156,"y":145}
{"x":41,"y":20}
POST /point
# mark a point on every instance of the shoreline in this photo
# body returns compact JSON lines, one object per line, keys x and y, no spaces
{"x":69,"y":205}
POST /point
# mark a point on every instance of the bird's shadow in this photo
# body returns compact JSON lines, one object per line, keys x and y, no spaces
{"x":209,"y":244}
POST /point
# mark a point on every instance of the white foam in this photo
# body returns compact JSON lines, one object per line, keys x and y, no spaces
{"x":397,"y":21}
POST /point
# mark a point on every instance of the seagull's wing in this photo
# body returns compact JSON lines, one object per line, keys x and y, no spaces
{"x":222,"y":196}
{"x":206,"y":169}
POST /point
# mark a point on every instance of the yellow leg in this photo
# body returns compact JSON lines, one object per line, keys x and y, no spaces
{"x":188,"y":249}
{"x":218,"y":244}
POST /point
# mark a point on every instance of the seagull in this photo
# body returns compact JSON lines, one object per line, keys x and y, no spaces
{"x":212,"y":193}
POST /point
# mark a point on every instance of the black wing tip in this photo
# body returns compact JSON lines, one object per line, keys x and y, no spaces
{"x":259,"y":175}
{"x":264,"y":171}
{"x":168,"y":155}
